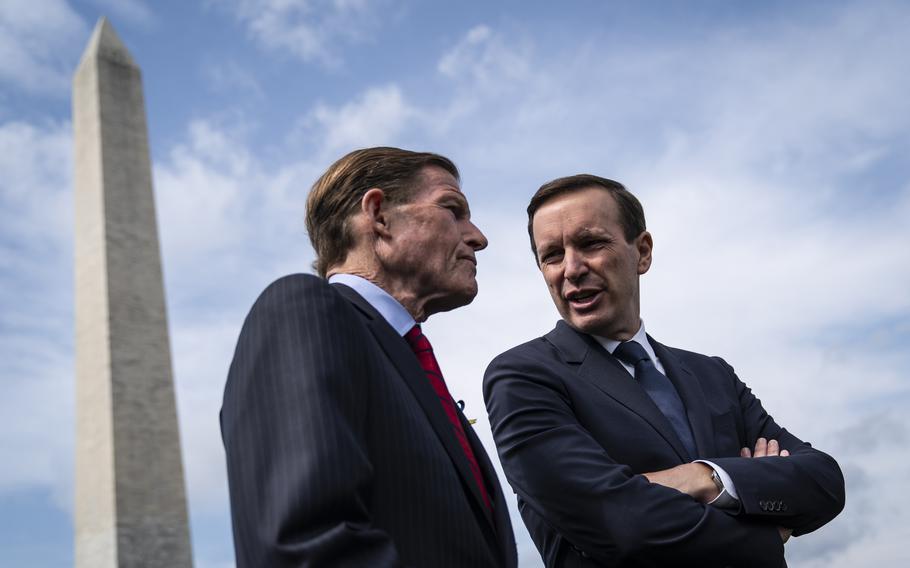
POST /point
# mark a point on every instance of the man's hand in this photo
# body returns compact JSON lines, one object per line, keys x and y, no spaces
{"x":693,"y":479}
{"x":785,"y":533}
{"x":764,"y":448}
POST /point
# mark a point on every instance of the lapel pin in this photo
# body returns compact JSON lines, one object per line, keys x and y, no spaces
{"x":460,"y":405}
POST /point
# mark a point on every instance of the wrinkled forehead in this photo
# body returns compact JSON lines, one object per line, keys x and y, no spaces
{"x":435,"y":182}
{"x":437,"y":176}
{"x":584,"y":211}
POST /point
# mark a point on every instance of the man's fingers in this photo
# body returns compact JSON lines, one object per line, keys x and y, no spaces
{"x":773,"y":448}
{"x":785,"y":533}
{"x":764,"y":448}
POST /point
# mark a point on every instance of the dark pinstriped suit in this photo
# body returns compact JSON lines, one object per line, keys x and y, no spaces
{"x":338,"y":451}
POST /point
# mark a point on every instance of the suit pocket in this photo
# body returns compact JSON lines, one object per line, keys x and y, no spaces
{"x":727,"y":438}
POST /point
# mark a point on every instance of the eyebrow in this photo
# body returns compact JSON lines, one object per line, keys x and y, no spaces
{"x":456,"y":196}
{"x":585,"y":232}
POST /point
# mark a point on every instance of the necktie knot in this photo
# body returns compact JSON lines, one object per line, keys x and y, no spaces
{"x":631,"y":353}
{"x":417,"y":340}
{"x":660,"y":389}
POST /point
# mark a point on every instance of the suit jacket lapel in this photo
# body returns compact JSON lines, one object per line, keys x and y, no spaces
{"x":693,"y":398}
{"x":606,"y":373}
{"x":500,"y":515}
{"x":413,"y":374}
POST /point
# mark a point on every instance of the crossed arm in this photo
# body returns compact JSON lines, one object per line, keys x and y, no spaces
{"x":582,"y":488}
{"x":694,"y":478}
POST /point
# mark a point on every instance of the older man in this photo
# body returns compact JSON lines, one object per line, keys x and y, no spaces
{"x":625,"y":452}
{"x":344,"y":446}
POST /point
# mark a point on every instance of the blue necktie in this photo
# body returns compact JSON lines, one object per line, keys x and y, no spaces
{"x":660,"y":389}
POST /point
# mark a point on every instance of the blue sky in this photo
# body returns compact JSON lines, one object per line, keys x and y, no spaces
{"x":769,"y":143}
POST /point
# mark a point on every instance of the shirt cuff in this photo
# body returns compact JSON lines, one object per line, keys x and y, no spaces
{"x":728,"y":482}
{"x":727,"y":499}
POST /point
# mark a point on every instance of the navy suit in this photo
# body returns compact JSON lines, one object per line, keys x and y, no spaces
{"x":574,"y":429}
{"x":338,"y":450}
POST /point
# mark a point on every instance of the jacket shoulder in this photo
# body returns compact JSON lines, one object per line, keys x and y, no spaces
{"x":688,"y":356}
{"x":702,"y":365}
{"x":535,"y":350}
{"x":297,"y":291}
{"x":301,"y":302}
{"x":533,"y":362}
{"x":295,"y":283}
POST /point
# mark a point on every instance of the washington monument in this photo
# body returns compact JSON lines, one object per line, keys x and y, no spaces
{"x":130,"y":506}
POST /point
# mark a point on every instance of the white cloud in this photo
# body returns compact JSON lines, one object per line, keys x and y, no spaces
{"x":35,"y":162}
{"x":874,"y":520}
{"x":484,"y":58}
{"x":36,"y":309}
{"x":307,"y":29}
{"x":375,"y":118}
{"x":454,"y":61}
{"x":223,"y":217}
{"x":35,"y":207}
{"x":39,"y":43}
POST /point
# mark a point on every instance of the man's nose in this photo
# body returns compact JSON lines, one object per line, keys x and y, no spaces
{"x":574,"y":265}
{"x":475,"y":238}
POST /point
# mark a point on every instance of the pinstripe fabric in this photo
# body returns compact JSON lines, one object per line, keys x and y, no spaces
{"x":333,"y":456}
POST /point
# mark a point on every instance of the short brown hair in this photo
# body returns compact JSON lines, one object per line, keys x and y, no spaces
{"x":631,"y":213}
{"x":337,"y":193}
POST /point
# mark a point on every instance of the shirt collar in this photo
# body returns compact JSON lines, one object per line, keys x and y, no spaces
{"x":640,"y":337}
{"x":387,"y":306}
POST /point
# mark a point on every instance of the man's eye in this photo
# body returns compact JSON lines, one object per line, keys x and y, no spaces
{"x":455,"y":210}
{"x":550,"y":257}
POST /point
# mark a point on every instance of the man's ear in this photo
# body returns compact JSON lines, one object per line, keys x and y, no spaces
{"x":374,"y":207}
{"x":645,"y":245}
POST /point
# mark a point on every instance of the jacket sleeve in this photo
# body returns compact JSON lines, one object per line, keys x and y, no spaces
{"x":293,"y":427}
{"x":802,"y":491}
{"x":601,"y":507}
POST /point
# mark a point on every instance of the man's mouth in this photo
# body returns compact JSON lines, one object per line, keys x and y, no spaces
{"x":583,"y":298}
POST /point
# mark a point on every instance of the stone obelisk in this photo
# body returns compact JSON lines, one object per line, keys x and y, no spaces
{"x":130,"y":505}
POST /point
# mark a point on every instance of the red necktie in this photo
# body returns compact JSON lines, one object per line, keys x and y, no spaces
{"x":424,"y":351}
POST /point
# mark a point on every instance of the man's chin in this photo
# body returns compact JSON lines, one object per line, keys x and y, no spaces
{"x":585,"y":324}
{"x":453,"y":300}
